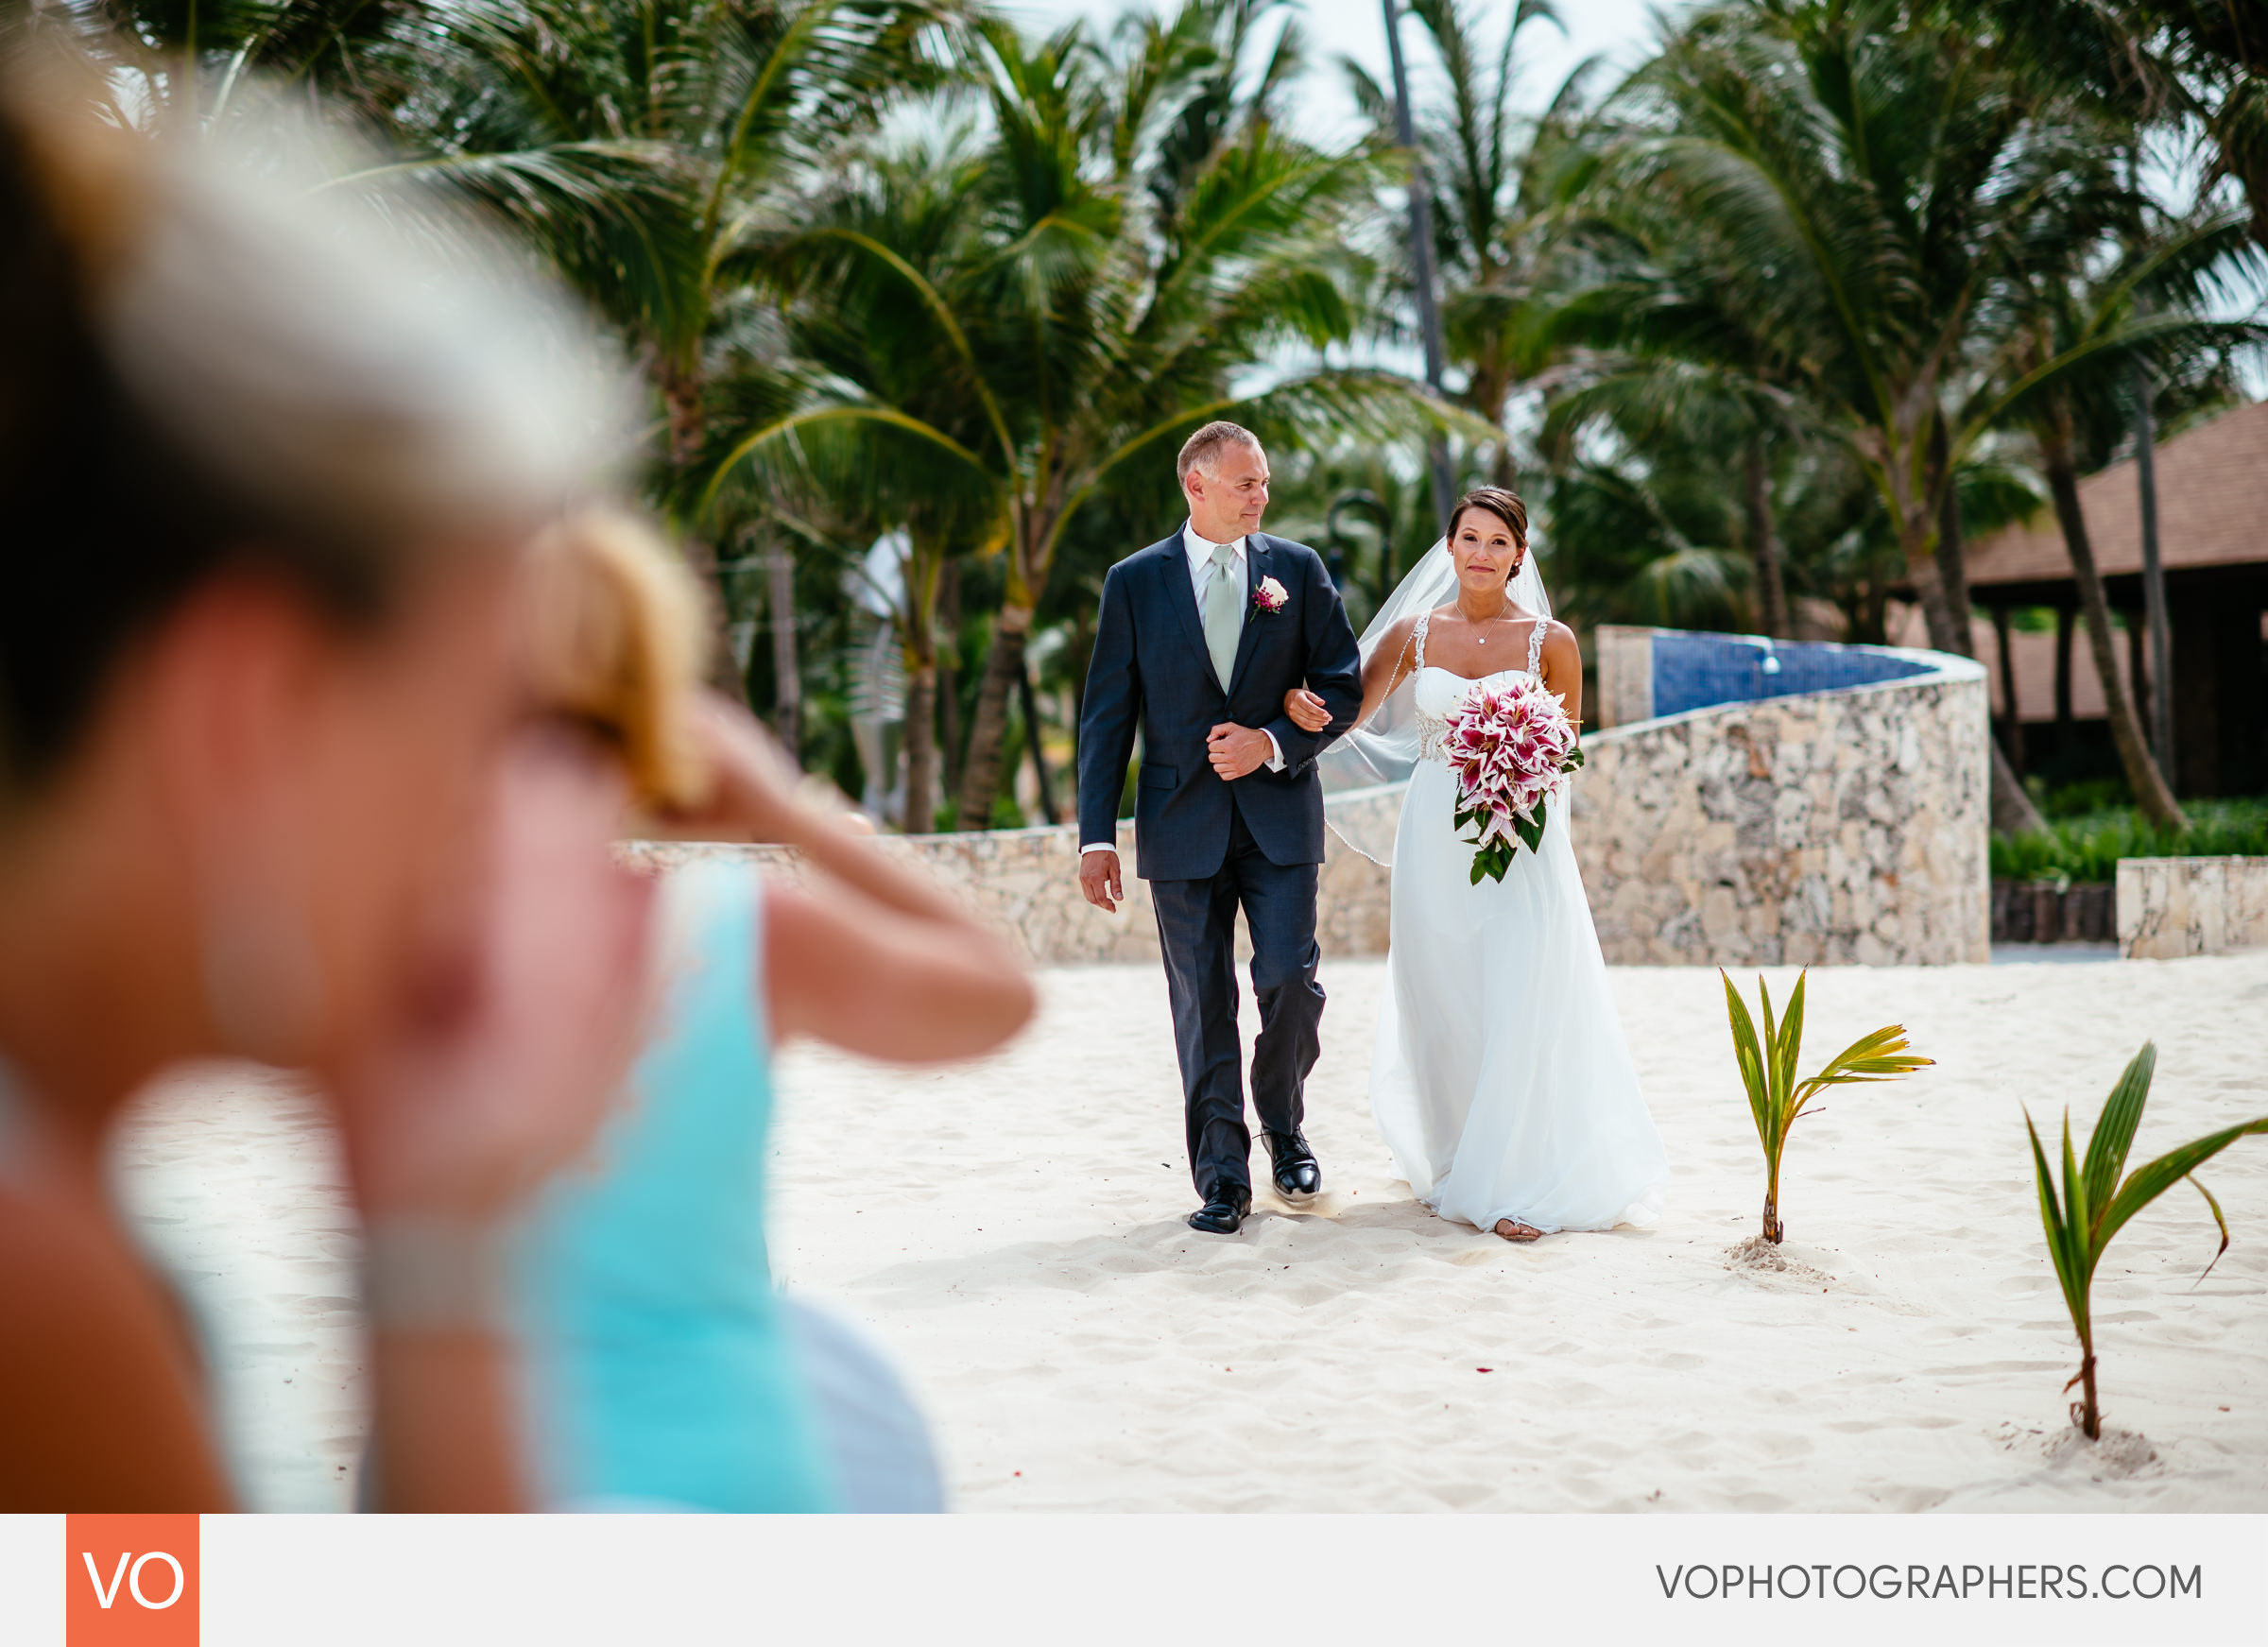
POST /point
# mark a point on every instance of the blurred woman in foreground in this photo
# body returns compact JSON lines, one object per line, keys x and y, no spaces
{"x":264,"y":793}
{"x":665,"y":1372}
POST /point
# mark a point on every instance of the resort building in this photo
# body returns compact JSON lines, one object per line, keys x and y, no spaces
{"x":2212,"y":507}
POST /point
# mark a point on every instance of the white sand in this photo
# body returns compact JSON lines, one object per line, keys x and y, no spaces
{"x":1012,"y":1231}
{"x":237,"y":1185}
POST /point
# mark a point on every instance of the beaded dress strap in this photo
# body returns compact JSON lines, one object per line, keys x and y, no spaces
{"x":1536,"y":647}
{"x":1421,"y":636}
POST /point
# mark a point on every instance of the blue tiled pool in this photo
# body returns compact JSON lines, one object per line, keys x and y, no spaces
{"x":1695,"y":671}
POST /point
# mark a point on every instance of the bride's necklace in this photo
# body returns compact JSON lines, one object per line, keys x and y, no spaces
{"x":1503,"y":612}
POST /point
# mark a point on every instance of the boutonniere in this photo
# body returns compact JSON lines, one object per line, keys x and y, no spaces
{"x":1269,"y":596}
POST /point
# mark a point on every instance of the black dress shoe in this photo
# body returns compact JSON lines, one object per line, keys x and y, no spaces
{"x":1299,"y":1175}
{"x":1224,"y":1210}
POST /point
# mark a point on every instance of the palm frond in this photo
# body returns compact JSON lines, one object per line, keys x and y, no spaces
{"x":1767,"y":1066}
{"x":2090,"y":1205}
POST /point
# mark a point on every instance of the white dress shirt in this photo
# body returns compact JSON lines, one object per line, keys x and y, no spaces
{"x":1200,"y":569}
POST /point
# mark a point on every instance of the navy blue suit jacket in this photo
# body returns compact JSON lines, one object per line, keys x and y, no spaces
{"x":1151,"y":670}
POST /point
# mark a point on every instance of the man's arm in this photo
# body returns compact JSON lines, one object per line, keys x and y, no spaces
{"x":1109,"y":713}
{"x":1335,"y":667}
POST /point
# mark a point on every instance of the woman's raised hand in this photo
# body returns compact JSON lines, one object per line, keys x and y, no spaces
{"x":753,"y":784}
{"x":1305,"y":710}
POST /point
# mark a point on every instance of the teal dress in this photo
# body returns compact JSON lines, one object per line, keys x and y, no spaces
{"x":661,"y":1368}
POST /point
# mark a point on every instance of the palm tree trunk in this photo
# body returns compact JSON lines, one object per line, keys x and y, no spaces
{"x":1030,"y":702}
{"x":787,"y":673}
{"x":1922,"y":566}
{"x":2013,"y":813}
{"x":1764,"y":542}
{"x":688,"y":418}
{"x":922,"y":573}
{"x":2012,"y":722}
{"x":1004,"y":668}
{"x":2012,"y":810}
{"x":1489,"y":387}
{"x":2065,"y":621}
{"x":921,"y":742}
{"x":949,"y":676}
{"x":688,"y":426}
{"x":2150,"y":791}
{"x":1878,"y":602}
{"x":1952,"y":553}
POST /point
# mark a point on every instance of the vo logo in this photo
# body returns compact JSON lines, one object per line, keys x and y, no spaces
{"x":131,"y":1581}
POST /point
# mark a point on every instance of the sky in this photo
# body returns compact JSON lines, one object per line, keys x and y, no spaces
{"x":1616,"y":29}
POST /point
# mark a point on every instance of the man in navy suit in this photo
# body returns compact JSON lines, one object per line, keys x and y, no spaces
{"x":1199,"y":639}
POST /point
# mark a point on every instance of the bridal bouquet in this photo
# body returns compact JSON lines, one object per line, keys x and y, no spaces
{"x":1508,"y":750}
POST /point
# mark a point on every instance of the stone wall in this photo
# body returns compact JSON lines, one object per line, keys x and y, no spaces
{"x":1834,"y":827}
{"x":1024,"y":883}
{"x":2170,"y":907}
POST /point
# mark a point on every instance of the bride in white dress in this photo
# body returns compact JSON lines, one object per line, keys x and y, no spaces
{"x":1500,"y":1079}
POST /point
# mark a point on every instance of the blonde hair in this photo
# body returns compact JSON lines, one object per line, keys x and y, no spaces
{"x":617,"y":640}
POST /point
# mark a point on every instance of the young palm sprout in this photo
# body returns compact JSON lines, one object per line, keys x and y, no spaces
{"x":2092,"y":1205}
{"x":1775,"y":1097}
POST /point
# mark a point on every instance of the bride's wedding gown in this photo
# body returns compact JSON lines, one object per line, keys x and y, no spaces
{"x":1500,"y":1080}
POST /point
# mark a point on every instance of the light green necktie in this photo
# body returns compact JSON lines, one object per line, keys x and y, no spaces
{"x":1224,"y":612}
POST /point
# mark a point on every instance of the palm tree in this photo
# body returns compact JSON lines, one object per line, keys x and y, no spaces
{"x":2097,"y":320}
{"x":1363,"y":509}
{"x":180,"y":65}
{"x":1876,"y":225}
{"x":1497,"y":178}
{"x":1137,"y":237}
{"x":2195,"y":69}
{"x":1644,"y":543}
{"x":1862,"y":182}
{"x":841,"y":283}
{"x":642,"y":146}
{"x":1671,"y":368}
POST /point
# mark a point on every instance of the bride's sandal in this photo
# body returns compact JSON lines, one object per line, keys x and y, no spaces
{"x":1512,"y":1229}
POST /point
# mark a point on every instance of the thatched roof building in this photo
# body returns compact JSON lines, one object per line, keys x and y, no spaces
{"x":2213,"y":505}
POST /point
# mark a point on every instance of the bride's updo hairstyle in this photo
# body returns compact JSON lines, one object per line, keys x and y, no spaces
{"x":1499,"y":500}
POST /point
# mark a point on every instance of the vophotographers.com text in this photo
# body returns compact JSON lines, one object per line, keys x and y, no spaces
{"x":1887,"y":1581}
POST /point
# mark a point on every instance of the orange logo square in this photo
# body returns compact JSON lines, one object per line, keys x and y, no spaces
{"x":130,"y":1580}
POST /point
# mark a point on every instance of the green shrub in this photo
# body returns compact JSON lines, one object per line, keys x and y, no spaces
{"x":2089,"y":795}
{"x":2089,"y":848}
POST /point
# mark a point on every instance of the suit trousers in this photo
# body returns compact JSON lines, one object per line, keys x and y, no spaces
{"x":1196,"y":929}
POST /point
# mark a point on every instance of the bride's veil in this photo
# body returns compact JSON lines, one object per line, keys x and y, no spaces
{"x":1384,"y":749}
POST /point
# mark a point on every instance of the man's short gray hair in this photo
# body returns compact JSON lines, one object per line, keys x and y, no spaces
{"x":1200,"y":449}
